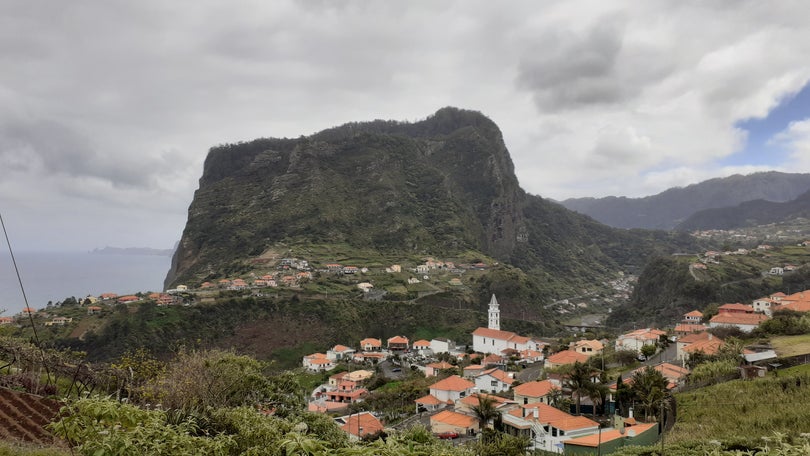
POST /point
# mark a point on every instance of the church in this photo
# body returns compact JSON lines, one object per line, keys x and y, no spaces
{"x":492,"y":340}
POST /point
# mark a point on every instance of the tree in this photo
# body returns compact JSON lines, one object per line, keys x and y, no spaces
{"x":624,"y":396}
{"x":649,"y":389}
{"x":485,"y":410}
{"x":648,"y":350}
{"x":579,"y":382}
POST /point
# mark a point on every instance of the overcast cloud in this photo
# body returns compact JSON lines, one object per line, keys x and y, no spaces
{"x":107,"y":109}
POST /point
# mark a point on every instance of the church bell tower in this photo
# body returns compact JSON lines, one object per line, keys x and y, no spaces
{"x":494,"y":314}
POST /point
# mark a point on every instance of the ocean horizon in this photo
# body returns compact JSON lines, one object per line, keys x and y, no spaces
{"x":54,"y":276}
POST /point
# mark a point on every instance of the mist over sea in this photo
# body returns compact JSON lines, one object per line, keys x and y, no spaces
{"x":54,"y":276}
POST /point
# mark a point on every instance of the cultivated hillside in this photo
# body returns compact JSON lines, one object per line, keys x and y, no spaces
{"x":667,"y":209}
{"x":442,"y":186}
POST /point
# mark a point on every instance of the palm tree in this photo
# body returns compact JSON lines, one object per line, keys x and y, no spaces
{"x":650,"y":388}
{"x":579,"y":382}
{"x":485,"y":410}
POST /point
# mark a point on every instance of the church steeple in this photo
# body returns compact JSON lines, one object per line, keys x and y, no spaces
{"x":494,"y":314}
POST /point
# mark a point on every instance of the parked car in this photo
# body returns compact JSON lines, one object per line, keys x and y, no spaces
{"x":447,"y":435}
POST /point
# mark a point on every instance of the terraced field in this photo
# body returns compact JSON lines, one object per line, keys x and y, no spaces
{"x":23,"y":417}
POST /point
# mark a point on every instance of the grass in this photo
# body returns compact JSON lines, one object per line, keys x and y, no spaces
{"x":791,"y":345}
{"x":18,"y":449}
{"x":744,"y":411}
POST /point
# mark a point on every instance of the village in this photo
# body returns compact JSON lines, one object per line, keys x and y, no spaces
{"x":522,"y":385}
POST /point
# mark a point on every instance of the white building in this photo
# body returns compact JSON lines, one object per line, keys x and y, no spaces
{"x":493,"y":381}
{"x":492,"y":340}
{"x":440,"y":345}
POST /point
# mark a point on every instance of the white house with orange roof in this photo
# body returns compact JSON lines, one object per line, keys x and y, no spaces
{"x":493,"y":381}
{"x":421,"y":347}
{"x":534,"y":392}
{"x":318,"y":362}
{"x":451,"y":389}
{"x":703,"y":342}
{"x":340,"y":353}
{"x":449,"y":421}
{"x":634,"y":340}
{"x":694,"y":316}
{"x":467,"y":404}
{"x":564,"y":357}
{"x":547,"y":427}
{"x":746,"y":322}
{"x":370,"y":344}
{"x":492,"y":340}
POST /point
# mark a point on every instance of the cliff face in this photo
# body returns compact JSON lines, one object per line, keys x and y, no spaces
{"x":440,"y":186}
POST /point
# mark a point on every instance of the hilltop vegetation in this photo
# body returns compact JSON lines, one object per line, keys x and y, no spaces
{"x":670,"y":286}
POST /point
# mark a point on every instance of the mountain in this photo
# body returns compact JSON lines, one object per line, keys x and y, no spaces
{"x":444,"y":186}
{"x":667,"y":209}
{"x":747,"y":214}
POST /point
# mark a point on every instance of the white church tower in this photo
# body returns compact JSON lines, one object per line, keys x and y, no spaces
{"x":494,"y":314}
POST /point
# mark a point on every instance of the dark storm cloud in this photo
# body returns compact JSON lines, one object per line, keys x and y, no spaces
{"x":566,"y":70}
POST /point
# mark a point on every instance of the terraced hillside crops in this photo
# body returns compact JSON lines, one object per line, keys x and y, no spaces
{"x":23,"y":417}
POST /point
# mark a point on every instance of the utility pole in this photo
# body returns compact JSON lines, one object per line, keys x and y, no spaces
{"x":663,"y":428}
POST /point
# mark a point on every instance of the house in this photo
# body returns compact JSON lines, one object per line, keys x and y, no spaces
{"x":467,"y":404}
{"x":534,"y":392}
{"x":429,"y":403}
{"x":451,"y":389}
{"x":634,"y":340}
{"x":493,"y":381}
{"x":735,"y":308}
{"x":413,"y":281}
{"x":108,"y":296}
{"x":694,"y":317}
{"x":492,"y":340}
{"x":422,"y":347}
{"x":399,"y":343}
{"x":609,"y":440}
{"x":358,"y":375}
{"x":340,"y":353}
{"x":93,"y":310}
{"x":434,"y":369}
{"x":776,"y":271}
{"x":547,"y":427}
{"x":441,"y":345}
{"x":350,"y":270}
{"x":709,"y":347}
{"x":318,"y":362}
{"x":473,"y":370}
{"x":455,"y":282}
{"x":674,"y":374}
{"x":394,"y":268}
{"x":564,"y":357}
{"x":422,"y":269}
{"x":6,"y":320}
{"x":365,"y":286}
{"x":747,"y":322}
{"x":370,"y":344}
{"x":689,"y":328}
{"x":531,"y":356}
{"x":587,"y":347}
{"x":59,"y":321}
{"x":448,"y":421}
{"x":128,"y":299}
{"x":360,"y":425}
{"x":347,"y":392}
{"x":334,"y":267}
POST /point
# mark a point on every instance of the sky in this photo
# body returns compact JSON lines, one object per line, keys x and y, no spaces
{"x":108,"y":108}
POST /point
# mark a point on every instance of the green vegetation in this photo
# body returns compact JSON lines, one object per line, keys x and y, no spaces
{"x":791,"y":345}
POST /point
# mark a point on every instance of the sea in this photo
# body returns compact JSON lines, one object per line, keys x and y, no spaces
{"x":54,"y":276}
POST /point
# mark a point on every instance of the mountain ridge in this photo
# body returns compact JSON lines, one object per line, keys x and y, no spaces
{"x":670,"y":207}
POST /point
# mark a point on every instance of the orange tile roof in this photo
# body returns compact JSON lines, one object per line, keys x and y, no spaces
{"x":472,"y":399}
{"x":371,"y":341}
{"x":736,"y":307}
{"x":454,"y":419}
{"x":574,"y":422}
{"x":798,"y":306}
{"x":421,"y":343}
{"x":535,"y":389}
{"x":643,"y":334}
{"x":594,"y":344}
{"x":499,"y":375}
{"x":708,"y":347}
{"x":492,"y":359}
{"x":689,"y":328}
{"x":545,"y":412}
{"x":428,"y":400}
{"x":341,"y":348}
{"x":494,"y":333}
{"x":694,"y":337}
{"x":441,"y":365}
{"x":593,"y":440}
{"x":362,"y":424}
{"x":453,"y":383}
{"x":694,"y":313}
{"x":474,"y":367}
{"x":567,"y":357}
{"x":738,"y":319}
{"x":398,"y":340}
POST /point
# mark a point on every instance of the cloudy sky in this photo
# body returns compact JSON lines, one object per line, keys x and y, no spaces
{"x":107,"y":108}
